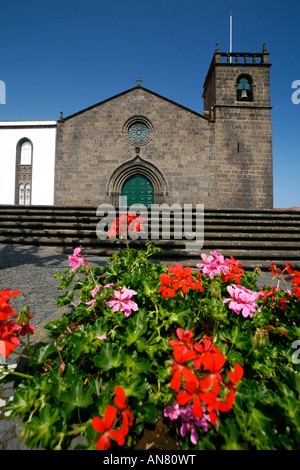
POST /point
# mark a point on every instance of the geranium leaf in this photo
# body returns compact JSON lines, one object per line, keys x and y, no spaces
{"x":42,"y":427}
{"x":261,"y":426}
{"x":109,"y":358}
{"x":77,"y":397}
{"x":138,"y":366}
{"x":41,"y":352}
{"x":65,"y":299}
{"x":23,"y":400}
{"x":149,"y":415}
{"x":136,"y":327}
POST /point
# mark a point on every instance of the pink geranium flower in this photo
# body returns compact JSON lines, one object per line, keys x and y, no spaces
{"x":189,"y":423}
{"x":242,"y":300}
{"x":77,"y":260}
{"x":213,"y":264}
{"x":172,"y":412}
{"x":91,"y":302}
{"x":102,"y":337}
{"x":94,"y":293}
{"x":122,"y":301}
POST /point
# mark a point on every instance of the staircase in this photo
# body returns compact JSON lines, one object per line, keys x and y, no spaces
{"x":253,"y":237}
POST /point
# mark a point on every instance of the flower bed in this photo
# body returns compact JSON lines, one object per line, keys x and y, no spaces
{"x":204,"y":350}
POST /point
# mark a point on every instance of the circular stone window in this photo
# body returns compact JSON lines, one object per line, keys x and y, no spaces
{"x":138,"y":130}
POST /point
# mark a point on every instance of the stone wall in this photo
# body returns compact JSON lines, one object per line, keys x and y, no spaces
{"x":91,"y":146}
{"x":243,"y":131}
{"x":221,"y":161}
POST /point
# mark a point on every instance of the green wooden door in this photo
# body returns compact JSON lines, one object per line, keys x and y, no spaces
{"x":138,"y":190}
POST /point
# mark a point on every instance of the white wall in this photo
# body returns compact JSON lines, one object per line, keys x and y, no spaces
{"x":42,"y":134}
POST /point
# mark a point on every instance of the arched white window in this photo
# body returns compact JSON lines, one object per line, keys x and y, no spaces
{"x":24,"y":160}
{"x":21,"y":194}
{"x":27,"y":194}
{"x":26,"y":153}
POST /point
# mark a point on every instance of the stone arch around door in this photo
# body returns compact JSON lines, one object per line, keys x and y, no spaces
{"x":137,"y":167}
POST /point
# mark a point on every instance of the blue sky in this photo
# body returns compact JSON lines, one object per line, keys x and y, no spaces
{"x":69,"y":54}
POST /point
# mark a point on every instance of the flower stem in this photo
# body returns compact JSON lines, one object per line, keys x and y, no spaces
{"x":215,"y":331}
{"x":20,"y":374}
{"x":20,"y":354}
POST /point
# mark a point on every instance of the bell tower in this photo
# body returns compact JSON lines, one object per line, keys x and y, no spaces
{"x":237,"y":103}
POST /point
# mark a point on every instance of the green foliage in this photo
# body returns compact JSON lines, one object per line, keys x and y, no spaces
{"x":94,"y":349}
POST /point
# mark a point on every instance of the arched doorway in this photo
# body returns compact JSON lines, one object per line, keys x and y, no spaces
{"x":126,"y":175}
{"x":139,"y":190}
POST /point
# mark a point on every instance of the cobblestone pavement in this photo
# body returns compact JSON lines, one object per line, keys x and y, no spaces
{"x":31,"y":270}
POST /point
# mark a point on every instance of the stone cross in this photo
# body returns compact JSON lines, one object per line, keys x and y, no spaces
{"x":139,"y":80}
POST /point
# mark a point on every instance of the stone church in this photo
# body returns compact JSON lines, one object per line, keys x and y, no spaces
{"x":150,"y":149}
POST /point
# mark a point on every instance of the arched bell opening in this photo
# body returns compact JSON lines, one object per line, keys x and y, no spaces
{"x":244,"y":88}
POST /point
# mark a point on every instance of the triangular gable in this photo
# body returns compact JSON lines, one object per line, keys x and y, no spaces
{"x":129,"y":91}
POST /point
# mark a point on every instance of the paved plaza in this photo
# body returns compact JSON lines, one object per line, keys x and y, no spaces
{"x":31,"y":270}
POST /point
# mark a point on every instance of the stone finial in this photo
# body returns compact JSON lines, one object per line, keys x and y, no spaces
{"x":61,"y":116}
{"x":217,"y":53}
{"x":211,"y":114}
{"x":265,"y":57}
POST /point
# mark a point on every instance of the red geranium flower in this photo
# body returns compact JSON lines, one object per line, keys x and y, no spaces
{"x":5,"y":309}
{"x":6,"y":348}
{"x":228,"y":403}
{"x":9,"y":341}
{"x":182,"y":277}
{"x":179,"y":278}
{"x":182,"y":355}
{"x":165,"y":289}
{"x":192,"y":394}
{"x":235,"y":272}
{"x":296,"y":282}
{"x":184,"y":338}
{"x":203,"y":382}
{"x":210,"y":399}
{"x":213,"y":361}
{"x":126,"y":223}
{"x":235,"y":376}
{"x":127,"y":417}
{"x":104,"y":427}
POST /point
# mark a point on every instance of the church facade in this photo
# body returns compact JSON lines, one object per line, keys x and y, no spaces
{"x":143,"y":146}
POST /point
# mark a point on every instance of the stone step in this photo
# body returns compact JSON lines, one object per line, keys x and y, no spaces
{"x":214,"y":242}
{"x":170,"y":246}
{"x":86,"y":232}
{"x":221,"y":224}
{"x":177,"y":248}
{"x":50,"y":211}
{"x":261,"y":237}
{"x":54,"y":208}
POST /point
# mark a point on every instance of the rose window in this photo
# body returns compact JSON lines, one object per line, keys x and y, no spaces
{"x":138,"y":132}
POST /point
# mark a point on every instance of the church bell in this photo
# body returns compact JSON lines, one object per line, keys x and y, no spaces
{"x":244,"y":95}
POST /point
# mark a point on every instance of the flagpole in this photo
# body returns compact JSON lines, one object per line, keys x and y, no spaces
{"x":230,"y":36}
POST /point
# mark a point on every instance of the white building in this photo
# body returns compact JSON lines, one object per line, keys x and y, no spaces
{"x":27,"y":159}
